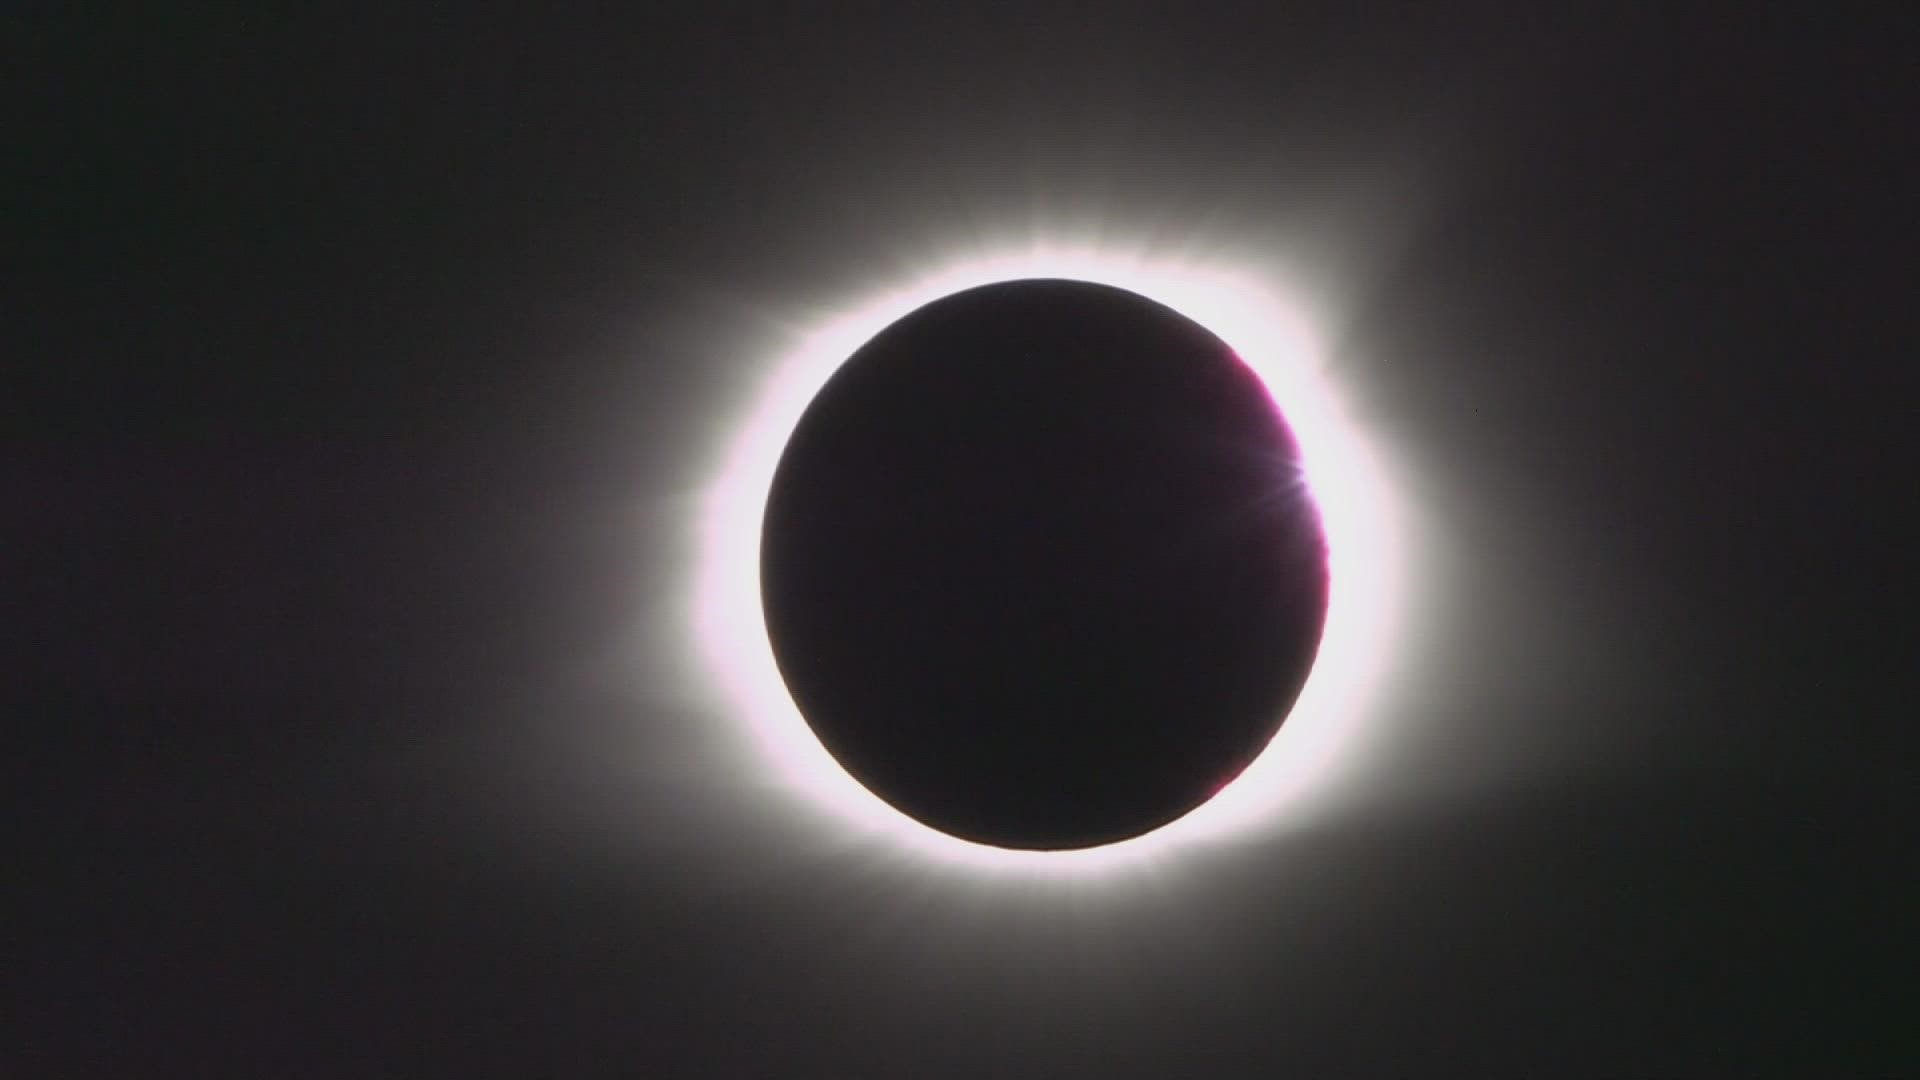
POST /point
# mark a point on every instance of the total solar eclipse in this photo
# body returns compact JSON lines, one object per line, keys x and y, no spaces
{"x":1039,"y":567}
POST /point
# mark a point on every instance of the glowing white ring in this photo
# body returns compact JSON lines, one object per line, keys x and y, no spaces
{"x":1346,"y":485}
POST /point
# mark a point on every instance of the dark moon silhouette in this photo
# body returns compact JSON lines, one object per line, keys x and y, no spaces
{"x":1039,"y":568}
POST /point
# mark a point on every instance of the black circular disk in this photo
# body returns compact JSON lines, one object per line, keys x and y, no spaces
{"x":1039,"y":567}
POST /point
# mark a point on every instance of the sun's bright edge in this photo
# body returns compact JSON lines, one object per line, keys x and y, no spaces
{"x":1271,"y":338}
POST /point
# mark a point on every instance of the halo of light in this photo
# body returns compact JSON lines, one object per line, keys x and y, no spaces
{"x":1342,"y":476}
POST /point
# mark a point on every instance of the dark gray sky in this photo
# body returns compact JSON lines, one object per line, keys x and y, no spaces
{"x":373,"y":370}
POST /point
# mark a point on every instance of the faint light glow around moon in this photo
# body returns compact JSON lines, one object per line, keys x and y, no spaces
{"x":1363,"y":552}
